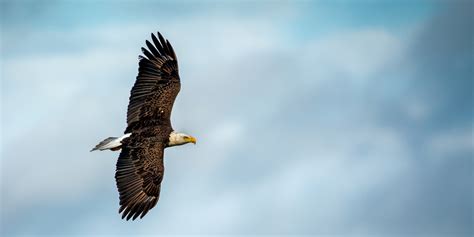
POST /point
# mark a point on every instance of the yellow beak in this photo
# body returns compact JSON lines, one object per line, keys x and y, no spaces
{"x":192,"y":140}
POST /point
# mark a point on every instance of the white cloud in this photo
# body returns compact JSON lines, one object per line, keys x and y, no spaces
{"x":451,"y":142}
{"x":68,"y":104}
{"x":351,"y":56}
{"x":287,"y":141}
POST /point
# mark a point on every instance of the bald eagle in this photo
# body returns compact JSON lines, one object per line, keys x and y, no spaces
{"x":139,"y":169}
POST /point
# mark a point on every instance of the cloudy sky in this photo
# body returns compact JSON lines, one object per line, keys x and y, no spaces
{"x":347,"y":118}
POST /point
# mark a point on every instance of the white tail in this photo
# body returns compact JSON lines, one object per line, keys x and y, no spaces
{"x":111,"y":143}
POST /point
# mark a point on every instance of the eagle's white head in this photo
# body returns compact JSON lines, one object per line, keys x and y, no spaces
{"x":177,"y":139}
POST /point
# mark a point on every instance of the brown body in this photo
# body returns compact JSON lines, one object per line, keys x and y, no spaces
{"x":140,"y":164}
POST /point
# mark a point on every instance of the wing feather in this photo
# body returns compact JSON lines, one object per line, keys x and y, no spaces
{"x":139,"y":174}
{"x":156,"y":86}
{"x":152,"y":48}
{"x":158,"y":44}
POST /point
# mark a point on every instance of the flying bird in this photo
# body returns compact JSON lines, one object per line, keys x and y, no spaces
{"x":139,"y":169}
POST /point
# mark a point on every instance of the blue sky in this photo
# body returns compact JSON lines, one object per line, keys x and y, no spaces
{"x":348,"y":118}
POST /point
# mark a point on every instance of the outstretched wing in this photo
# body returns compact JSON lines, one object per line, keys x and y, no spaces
{"x":139,"y":174}
{"x":156,"y":86}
